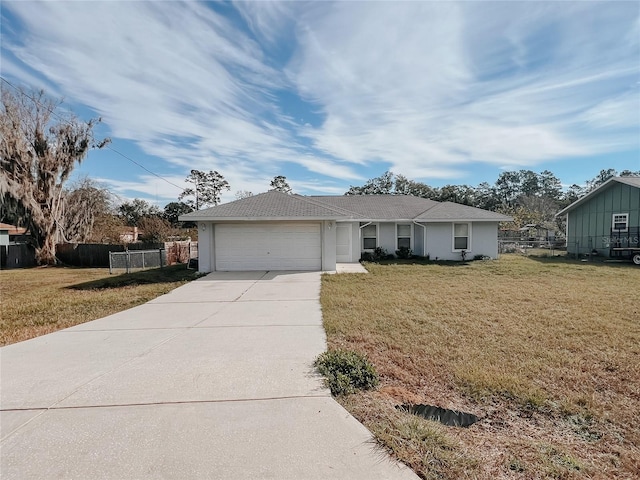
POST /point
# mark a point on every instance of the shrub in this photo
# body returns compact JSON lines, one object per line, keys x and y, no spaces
{"x":380,"y":254}
{"x":366,"y":257}
{"x":404,"y":253}
{"x":346,"y":372}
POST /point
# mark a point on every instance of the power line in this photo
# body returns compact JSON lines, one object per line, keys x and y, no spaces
{"x":62,"y":119}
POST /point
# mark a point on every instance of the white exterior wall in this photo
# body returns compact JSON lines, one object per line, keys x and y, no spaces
{"x":439,"y":242}
{"x":356,"y":242}
{"x":206,"y":261}
{"x":418,"y":240}
{"x":387,"y":237}
{"x":484,"y":240}
{"x":329,"y":246}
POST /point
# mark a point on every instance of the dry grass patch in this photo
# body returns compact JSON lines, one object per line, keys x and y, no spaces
{"x":42,"y":300}
{"x":545,"y":351}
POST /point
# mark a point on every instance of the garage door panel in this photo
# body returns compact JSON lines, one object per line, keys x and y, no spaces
{"x":268,"y":247}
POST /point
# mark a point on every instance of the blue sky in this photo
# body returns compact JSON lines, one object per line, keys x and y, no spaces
{"x":330,"y":94}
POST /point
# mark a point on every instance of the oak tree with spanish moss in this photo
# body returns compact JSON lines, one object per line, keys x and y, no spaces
{"x":40,"y":145}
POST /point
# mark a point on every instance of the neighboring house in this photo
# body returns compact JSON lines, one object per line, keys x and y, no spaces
{"x":11,"y":234}
{"x":275,"y":231}
{"x":130,"y":235}
{"x":606,"y":220}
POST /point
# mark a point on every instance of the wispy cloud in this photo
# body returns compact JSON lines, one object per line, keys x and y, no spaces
{"x":425,"y":88}
{"x":177,"y":78}
{"x":432,"y":87}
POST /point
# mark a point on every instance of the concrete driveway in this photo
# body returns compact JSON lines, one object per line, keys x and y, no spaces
{"x":213,"y":380}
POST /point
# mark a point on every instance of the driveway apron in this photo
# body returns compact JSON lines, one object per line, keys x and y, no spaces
{"x":213,"y":380}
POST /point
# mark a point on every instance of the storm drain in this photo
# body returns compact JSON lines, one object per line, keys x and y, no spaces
{"x":445,"y":416}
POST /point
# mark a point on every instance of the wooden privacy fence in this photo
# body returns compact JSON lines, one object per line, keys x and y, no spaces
{"x":180,"y":252}
{"x":17,"y":256}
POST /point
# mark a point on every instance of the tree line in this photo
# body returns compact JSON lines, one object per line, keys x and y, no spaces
{"x":527,"y":196}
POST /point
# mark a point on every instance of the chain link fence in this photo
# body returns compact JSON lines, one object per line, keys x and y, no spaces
{"x":137,"y":260}
{"x":532,"y":247}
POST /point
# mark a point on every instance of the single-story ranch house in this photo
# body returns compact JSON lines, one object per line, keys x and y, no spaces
{"x":276,"y":231}
{"x":606,"y":220}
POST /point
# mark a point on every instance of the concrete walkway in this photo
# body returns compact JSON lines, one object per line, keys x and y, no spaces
{"x":213,"y":380}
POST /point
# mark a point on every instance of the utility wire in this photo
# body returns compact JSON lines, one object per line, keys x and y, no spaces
{"x":62,"y":119}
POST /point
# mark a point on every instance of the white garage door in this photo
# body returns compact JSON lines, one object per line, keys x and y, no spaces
{"x":278,"y":246}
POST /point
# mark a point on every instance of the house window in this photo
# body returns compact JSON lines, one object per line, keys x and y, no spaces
{"x":404,"y":236}
{"x":620,"y":222}
{"x":369,"y":237}
{"x":461,"y":236}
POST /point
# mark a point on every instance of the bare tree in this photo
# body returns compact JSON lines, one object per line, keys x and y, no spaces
{"x":39,"y":148}
{"x":240,"y":194}
{"x":83,"y":204}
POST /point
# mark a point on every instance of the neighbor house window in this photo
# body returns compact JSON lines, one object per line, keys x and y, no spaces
{"x":404,"y":236}
{"x":620,"y":222}
{"x":461,"y":236}
{"x":369,"y":237}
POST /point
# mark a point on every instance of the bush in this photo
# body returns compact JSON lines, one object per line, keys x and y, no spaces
{"x":366,"y":257}
{"x":404,"y":253}
{"x":378,"y":254}
{"x":346,"y":372}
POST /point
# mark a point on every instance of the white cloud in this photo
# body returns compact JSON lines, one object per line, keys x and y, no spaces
{"x":425,"y":88}
{"x":432,"y":87}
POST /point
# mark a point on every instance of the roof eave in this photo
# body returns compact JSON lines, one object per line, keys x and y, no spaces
{"x":256,"y":219}
{"x":586,"y":196}
{"x":468,"y":220}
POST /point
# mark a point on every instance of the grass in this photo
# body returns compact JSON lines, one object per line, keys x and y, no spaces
{"x":544,"y":350}
{"x":42,"y":300}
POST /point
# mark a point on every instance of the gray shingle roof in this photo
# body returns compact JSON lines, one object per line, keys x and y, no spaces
{"x":449,"y":211}
{"x":274,"y":205}
{"x":379,"y":207}
{"x":269,"y":205}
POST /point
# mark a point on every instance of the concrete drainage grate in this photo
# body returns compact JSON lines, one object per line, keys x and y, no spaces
{"x":445,"y":416}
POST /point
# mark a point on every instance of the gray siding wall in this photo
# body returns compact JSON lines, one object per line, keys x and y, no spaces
{"x":589,"y":224}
